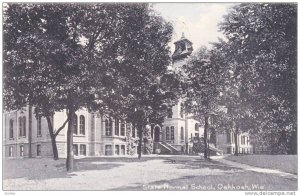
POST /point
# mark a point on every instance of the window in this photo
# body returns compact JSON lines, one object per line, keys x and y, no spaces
{"x":122,"y":129}
{"x":181,"y":110}
{"x":82,"y":125}
{"x":39,"y":126}
{"x":182,"y":133}
{"x":108,"y":127}
{"x":243,"y":140}
{"x":24,"y":126}
{"x":75,"y":122}
{"x":21,"y":150}
{"x":248,"y":140}
{"x":10,"y":151}
{"x":83,"y":149}
{"x":133,"y":131}
{"x":11,"y":128}
{"x":20,"y":126}
{"x":167,"y":133}
{"x":75,"y":149}
{"x":108,"y":150}
{"x":117,"y":127}
{"x":170,"y":113}
{"x":172,"y":133}
{"x":197,"y":127}
{"x":228,"y":137}
{"x":117,"y":150}
{"x":122,"y":149}
{"x":38,"y":150}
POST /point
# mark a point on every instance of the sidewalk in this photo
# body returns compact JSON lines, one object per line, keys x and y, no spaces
{"x":255,"y":169}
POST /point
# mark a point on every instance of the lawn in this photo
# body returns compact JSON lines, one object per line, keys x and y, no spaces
{"x":286,"y":163}
{"x":149,"y":173}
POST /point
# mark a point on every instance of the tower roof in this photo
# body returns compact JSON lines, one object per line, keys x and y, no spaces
{"x":183,"y":48}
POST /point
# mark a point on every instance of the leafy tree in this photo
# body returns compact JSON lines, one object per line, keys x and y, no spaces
{"x":261,"y":49}
{"x":204,"y":78}
{"x":31,"y":60}
{"x":140,"y":70}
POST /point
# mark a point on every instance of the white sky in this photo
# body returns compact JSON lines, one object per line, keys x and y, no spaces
{"x":198,"y":21}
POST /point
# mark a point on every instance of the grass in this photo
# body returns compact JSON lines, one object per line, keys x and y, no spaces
{"x":285,"y":163}
{"x":111,"y":173}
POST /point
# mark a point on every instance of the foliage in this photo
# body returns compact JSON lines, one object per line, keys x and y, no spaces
{"x":131,"y":142}
{"x":105,"y":57}
{"x":147,"y":141}
{"x":204,"y":84}
{"x":261,"y":58}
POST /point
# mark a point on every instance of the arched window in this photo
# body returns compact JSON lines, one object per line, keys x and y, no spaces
{"x":117,"y":127}
{"x":11,"y":128}
{"x":75,"y":123}
{"x":182,"y":133}
{"x":197,"y":127}
{"x":39,"y":126}
{"x":82,"y":125}
{"x":108,"y":127}
{"x":172,"y":133}
{"x":20,"y":126}
{"x":122,"y":128}
{"x":133,"y":131}
{"x":167,"y":133}
{"x":24,"y":126}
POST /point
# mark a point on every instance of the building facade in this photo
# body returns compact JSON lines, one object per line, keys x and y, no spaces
{"x":94,"y":135}
{"x":180,"y":130}
{"x":100,"y":135}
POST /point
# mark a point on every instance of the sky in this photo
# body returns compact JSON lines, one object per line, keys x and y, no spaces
{"x":198,"y":21}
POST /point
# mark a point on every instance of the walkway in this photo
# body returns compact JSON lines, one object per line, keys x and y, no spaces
{"x":255,"y":169}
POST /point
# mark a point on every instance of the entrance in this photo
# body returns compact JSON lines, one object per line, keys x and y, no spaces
{"x":156,"y":134}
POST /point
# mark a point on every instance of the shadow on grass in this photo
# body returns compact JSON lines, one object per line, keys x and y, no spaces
{"x":86,"y":166}
{"x":35,"y":169}
{"x":199,"y":164}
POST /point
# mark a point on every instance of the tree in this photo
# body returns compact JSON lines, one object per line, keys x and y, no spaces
{"x":262,"y":48}
{"x":140,"y":69}
{"x":30,"y":49}
{"x":104,"y":57}
{"x":204,"y":78}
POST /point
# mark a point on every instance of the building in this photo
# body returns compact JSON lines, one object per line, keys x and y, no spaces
{"x":94,"y":135}
{"x":180,"y":130}
{"x":100,"y":135}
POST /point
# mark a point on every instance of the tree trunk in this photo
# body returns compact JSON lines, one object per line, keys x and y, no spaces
{"x":70,"y":154}
{"x":53,"y":138}
{"x":236,"y":140}
{"x":205,"y":136}
{"x":30,"y":131}
{"x":140,"y":141}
